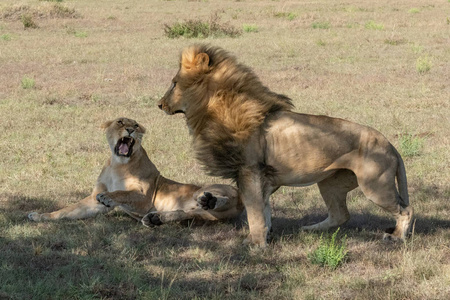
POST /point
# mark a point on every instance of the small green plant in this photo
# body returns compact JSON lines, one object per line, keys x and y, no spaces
{"x":331,"y":252}
{"x":288,"y":15}
{"x":414,"y":11}
{"x":423,"y":64}
{"x":250,"y":28}
{"x":52,"y":0}
{"x":200,"y":29}
{"x":291,"y":16}
{"x":27,"y":83}
{"x":80,"y":34}
{"x":321,"y":25}
{"x":5,"y":37}
{"x":320,"y":43}
{"x":28,"y":22}
{"x":417,"y":48}
{"x":374,"y":26}
{"x":410,"y":145}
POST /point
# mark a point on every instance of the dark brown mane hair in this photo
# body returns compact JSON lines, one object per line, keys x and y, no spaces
{"x":227,"y":103}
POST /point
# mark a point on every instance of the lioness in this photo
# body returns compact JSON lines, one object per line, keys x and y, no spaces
{"x":246,"y":132}
{"x":131,"y":182}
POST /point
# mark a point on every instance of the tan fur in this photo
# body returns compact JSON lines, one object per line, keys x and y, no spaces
{"x":244,"y":131}
{"x":134,"y":185}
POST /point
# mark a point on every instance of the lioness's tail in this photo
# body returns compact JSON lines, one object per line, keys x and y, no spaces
{"x":401,"y":180}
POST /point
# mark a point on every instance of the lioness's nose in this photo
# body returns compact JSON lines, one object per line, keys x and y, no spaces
{"x":160,"y":105}
{"x":130,"y":130}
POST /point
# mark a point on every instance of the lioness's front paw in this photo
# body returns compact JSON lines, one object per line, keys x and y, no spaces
{"x":104,"y":199}
{"x":151,"y":219}
{"x":33,"y":216}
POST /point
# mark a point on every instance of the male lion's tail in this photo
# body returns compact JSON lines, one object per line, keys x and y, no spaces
{"x":401,"y":180}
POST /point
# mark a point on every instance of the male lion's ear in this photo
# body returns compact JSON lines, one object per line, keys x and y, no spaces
{"x":201,"y":61}
{"x":106,"y":124}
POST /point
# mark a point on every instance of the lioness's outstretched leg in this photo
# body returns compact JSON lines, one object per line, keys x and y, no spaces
{"x":88,"y":207}
{"x":334,"y":191}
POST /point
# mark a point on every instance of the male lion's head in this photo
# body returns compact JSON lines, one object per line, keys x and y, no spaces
{"x":124,"y":136}
{"x":190,"y":83}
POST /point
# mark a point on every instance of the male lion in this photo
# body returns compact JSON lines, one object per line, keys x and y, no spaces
{"x":130,"y":181}
{"x":243,"y":131}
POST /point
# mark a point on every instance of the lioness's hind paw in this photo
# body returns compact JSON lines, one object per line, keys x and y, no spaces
{"x":151,"y":219}
{"x":103,"y":199}
{"x":207,"y":201}
{"x":33,"y":216}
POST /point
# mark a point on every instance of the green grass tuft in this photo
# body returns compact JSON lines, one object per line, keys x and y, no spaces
{"x":423,"y":64}
{"x":414,"y":11}
{"x":5,"y":37}
{"x":27,"y":83}
{"x":321,"y":25}
{"x":250,"y":28}
{"x":28,"y":22}
{"x":374,"y":26}
{"x":80,"y":34}
{"x":410,"y":145}
{"x":330,"y":253}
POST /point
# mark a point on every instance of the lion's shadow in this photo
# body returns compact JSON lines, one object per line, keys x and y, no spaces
{"x":358,"y":222}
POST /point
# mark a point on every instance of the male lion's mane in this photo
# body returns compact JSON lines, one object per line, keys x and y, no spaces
{"x":227,"y":104}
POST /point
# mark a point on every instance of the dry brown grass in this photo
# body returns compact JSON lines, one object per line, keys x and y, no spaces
{"x":120,"y":64}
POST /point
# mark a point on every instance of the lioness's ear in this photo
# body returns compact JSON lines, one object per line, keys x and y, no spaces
{"x":106,"y":124}
{"x":142,"y":128}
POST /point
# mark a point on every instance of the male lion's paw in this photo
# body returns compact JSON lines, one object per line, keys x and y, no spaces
{"x":151,"y":219}
{"x":207,"y":201}
{"x":104,"y":199}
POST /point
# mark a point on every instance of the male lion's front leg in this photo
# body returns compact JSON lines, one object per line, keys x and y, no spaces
{"x":258,"y":211}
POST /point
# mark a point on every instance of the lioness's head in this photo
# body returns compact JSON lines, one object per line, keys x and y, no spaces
{"x":124,"y":136}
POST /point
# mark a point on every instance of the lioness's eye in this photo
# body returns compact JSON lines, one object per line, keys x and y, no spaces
{"x":120,"y":122}
{"x":136,"y":125}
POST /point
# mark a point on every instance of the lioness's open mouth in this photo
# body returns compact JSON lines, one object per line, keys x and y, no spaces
{"x":124,"y":147}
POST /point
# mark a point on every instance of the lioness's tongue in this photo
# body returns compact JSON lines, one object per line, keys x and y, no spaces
{"x":123,"y":149}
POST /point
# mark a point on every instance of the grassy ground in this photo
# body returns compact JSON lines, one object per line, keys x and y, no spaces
{"x":380,"y":63}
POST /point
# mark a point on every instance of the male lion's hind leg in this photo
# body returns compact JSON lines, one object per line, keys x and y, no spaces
{"x":403,"y":218}
{"x":334,"y":191}
{"x":386,"y":196}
